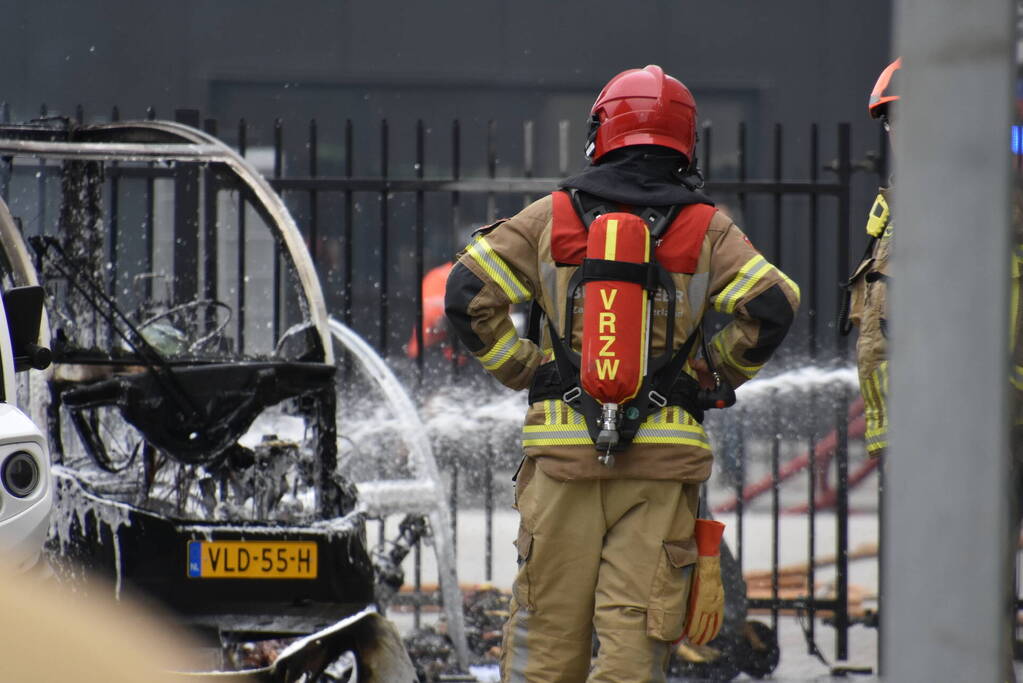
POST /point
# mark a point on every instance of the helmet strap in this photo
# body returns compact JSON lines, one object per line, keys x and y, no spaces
{"x":591,"y":136}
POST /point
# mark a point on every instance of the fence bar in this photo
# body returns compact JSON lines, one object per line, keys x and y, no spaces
{"x":742,"y":160}
{"x":384,"y":242}
{"x":491,"y":168}
{"x":276,"y":286}
{"x":934,"y":440}
{"x":314,"y":232}
{"x":494,"y":185}
{"x":528,"y":151}
{"x":811,"y":446}
{"x":564,"y":132}
{"x":775,"y":509}
{"x":776,"y":204}
{"x":6,"y":170}
{"x":708,"y":134}
{"x":456,"y":222}
{"x":348,"y":230}
{"x":453,"y":504}
{"x":420,"y":230}
{"x":488,"y":508}
{"x":113,"y":227}
{"x":41,"y":189}
{"x":740,"y":484}
{"x":5,"y":162}
{"x":186,"y":221}
{"x":209,"y":235}
{"x":776,"y":243}
{"x":417,"y":582}
{"x":240,"y":294}
{"x":842,"y":415}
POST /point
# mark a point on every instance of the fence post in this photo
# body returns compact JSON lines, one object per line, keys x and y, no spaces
{"x":243,"y":134}
{"x":276,"y":286}
{"x":842,"y":413}
{"x":186,"y":221}
{"x":384,"y":238}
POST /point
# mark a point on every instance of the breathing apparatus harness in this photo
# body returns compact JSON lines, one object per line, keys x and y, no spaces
{"x":660,"y":380}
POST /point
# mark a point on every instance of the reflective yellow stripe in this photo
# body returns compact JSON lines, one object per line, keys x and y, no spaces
{"x":876,"y":442}
{"x":749,"y":275}
{"x":611,"y":240}
{"x":875,"y":391}
{"x":1017,"y":377}
{"x":500,"y":352}
{"x":791,"y":283}
{"x":684,"y":431}
{"x":1014,"y":298}
{"x":673,"y":433}
{"x":498,"y":270}
{"x":556,"y":435}
{"x":747,"y":370}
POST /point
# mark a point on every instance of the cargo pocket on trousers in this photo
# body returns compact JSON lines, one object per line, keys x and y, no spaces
{"x":521,"y":589}
{"x":669,"y":593}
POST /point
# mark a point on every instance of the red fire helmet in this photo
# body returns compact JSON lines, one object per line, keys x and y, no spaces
{"x":879,"y":96}
{"x":642,"y":107}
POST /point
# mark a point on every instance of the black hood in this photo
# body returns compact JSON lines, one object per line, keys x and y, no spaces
{"x":641,"y":175}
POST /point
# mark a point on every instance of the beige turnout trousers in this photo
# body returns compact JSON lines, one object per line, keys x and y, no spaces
{"x":611,"y":555}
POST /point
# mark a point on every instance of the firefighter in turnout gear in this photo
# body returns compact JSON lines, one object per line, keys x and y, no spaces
{"x":867,"y":290}
{"x":621,"y":263}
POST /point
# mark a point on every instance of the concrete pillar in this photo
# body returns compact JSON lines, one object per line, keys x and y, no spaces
{"x":947,"y":556}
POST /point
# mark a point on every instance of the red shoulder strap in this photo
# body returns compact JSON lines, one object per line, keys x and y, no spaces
{"x":679,"y":249}
{"x":568,"y":234}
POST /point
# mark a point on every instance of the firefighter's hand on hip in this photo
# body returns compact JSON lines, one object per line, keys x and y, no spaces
{"x":703,"y":373}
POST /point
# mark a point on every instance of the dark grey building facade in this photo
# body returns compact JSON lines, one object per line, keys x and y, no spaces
{"x":487,"y":63}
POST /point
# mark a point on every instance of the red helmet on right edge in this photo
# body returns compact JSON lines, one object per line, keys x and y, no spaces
{"x":880,"y":96}
{"x":642,"y":107}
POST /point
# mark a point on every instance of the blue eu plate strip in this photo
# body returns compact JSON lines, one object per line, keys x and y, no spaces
{"x":195,"y":558}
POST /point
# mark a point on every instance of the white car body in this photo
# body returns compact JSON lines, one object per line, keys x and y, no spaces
{"x":24,"y":516}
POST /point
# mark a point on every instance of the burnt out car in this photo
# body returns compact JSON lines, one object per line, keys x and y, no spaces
{"x":191,"y":407}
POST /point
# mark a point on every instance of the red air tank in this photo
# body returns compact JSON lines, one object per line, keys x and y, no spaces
{"x":614,"y":351}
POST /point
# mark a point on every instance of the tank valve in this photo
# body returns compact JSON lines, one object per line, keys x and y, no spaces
{"x":607,"y":439}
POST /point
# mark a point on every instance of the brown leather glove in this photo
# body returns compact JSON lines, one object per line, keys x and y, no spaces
{"x":707,"y":595}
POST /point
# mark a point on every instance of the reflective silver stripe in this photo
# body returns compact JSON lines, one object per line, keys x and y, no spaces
{"x":749,"y":275}
{"x":877,"y":441}
{"x":672,"y":433}
{"x":698,"y":291}
{"x":498,"y":270}
{"x":500,"y":352}
{"x":555,"y":435}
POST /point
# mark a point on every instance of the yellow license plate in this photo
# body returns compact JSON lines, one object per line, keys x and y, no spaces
{"x":252,"y":559}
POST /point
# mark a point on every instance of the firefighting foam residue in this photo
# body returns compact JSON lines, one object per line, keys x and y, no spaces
{"x":807,"y":378}
{"x":426,"y":481}
{"x":73,"y":504}
{"x":479,"y":422}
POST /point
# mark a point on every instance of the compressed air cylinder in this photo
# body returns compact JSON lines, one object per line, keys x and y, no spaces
{"x":614,"y":344}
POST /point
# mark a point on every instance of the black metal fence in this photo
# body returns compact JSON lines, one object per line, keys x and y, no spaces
{"x":802,"y":225}
{"x":373,"y":236}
